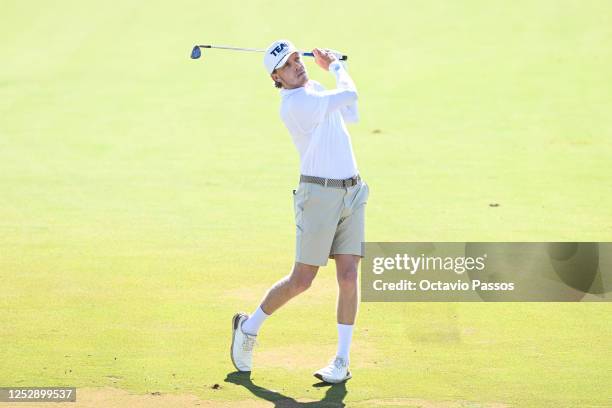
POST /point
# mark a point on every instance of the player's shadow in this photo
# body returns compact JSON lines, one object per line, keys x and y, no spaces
{"x":333,"y":397}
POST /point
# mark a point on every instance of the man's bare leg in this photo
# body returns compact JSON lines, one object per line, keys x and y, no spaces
{"x":346,"y":274}
{"x":280,"y":293}
{"x":290,"y":286}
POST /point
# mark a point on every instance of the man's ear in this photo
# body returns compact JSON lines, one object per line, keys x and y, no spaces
{"x":276,"y":78}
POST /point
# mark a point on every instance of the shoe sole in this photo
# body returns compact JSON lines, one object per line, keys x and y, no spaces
{"x":235,"y":321}
{"x":320,"y":377}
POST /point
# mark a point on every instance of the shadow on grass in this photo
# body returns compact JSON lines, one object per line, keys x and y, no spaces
{"x":333,"y":397}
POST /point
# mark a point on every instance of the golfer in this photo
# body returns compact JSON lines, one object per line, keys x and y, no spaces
{"x":329,"y":202}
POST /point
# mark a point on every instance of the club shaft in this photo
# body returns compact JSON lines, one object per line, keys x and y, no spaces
{"x":225,"y":47}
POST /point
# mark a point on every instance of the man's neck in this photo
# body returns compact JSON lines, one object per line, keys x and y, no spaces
{"x":298,"y":86}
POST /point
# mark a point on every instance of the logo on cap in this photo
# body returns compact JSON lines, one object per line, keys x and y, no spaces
{"x":279,"y":48}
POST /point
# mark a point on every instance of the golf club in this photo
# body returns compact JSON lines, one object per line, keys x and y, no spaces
{"x":197,"y":52}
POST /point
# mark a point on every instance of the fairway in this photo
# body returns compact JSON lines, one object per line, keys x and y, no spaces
{"x":146,"y":197}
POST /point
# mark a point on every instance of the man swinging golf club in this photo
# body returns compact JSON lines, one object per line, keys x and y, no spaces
{"x":329,"y":203}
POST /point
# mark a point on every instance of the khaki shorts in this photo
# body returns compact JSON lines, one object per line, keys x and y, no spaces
{"x":329,"y":221}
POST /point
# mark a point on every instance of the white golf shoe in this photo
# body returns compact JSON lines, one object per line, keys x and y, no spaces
{"x":242,"y":344}
{"x":336,"y":372}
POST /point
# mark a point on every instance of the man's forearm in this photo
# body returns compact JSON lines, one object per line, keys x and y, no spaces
{"x":344,"y":82}
{"x":343,"y":79}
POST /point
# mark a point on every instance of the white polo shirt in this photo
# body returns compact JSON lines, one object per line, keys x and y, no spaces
{"x":316,"y":121}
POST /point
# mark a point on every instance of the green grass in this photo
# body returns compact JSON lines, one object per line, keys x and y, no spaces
{"x":145,"y":197}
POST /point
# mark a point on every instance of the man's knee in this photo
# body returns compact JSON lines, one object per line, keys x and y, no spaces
{"x":347,"y":277}
{"x":302,"y":276}
{"x":300,"y":284}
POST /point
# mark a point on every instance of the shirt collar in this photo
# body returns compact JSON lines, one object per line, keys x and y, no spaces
{"x":287,"y":92}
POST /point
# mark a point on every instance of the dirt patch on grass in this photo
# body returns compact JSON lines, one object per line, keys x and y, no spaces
{"x":116,"y":398}
{"x":421,"y":403}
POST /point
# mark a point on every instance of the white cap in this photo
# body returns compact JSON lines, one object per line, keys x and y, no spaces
{"x":277,"y":54}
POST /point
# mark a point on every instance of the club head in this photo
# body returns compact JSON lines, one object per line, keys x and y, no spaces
{"x":196,"y":53}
